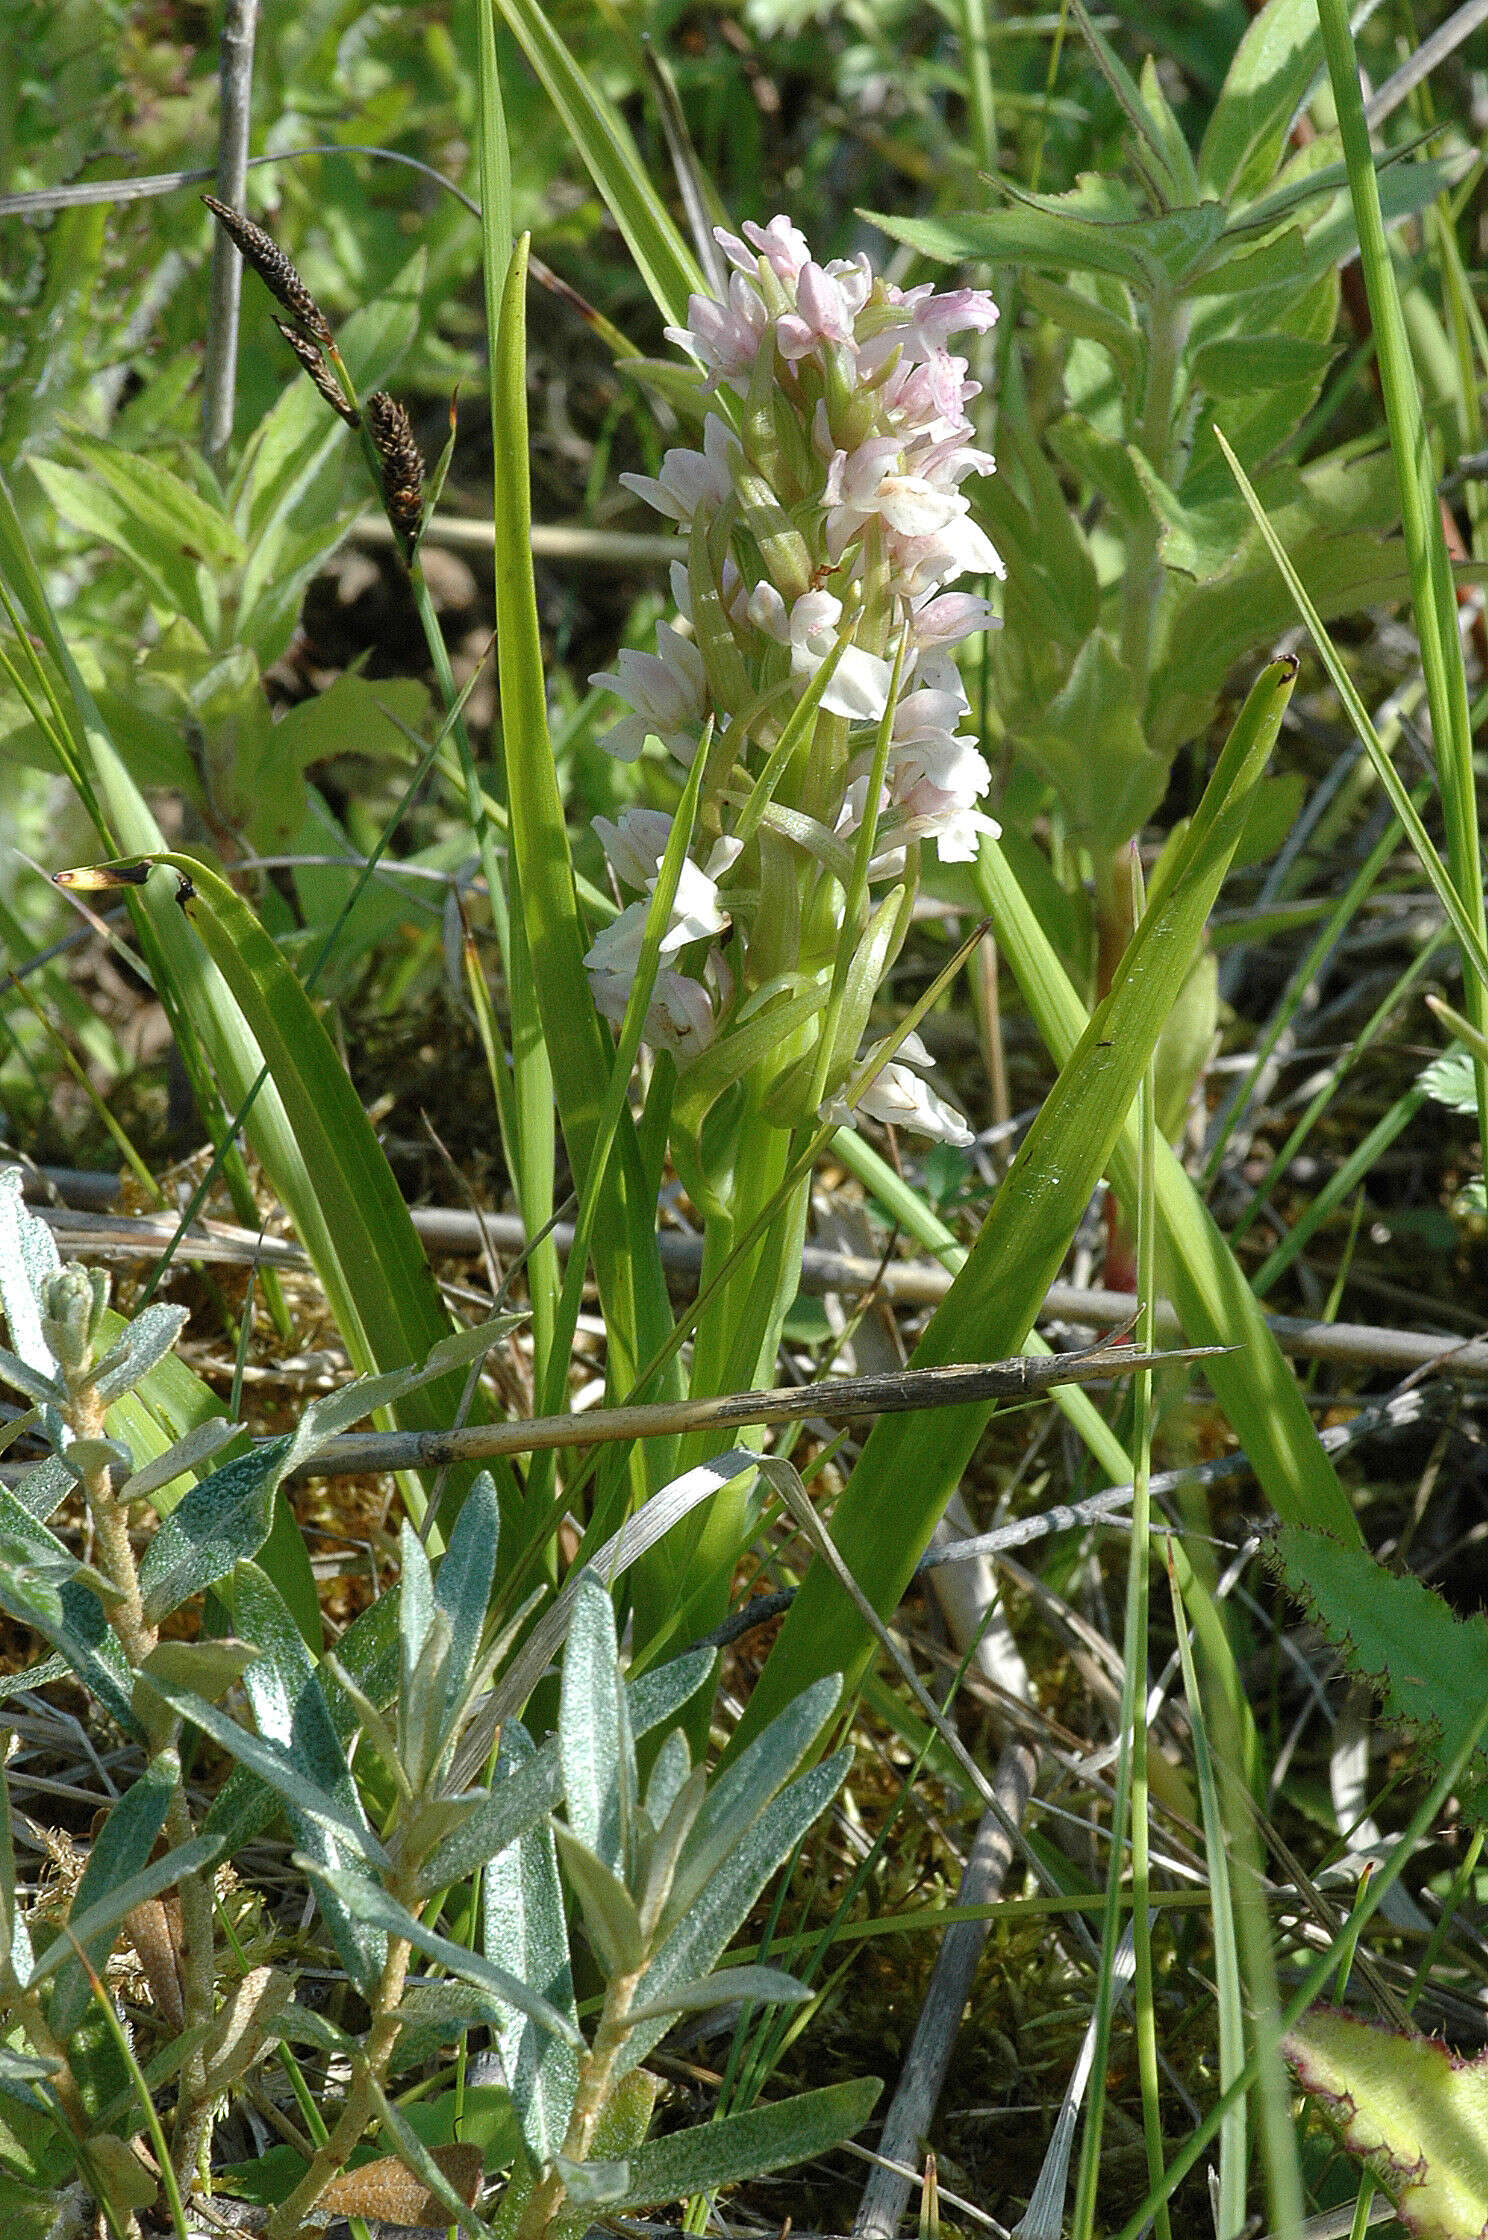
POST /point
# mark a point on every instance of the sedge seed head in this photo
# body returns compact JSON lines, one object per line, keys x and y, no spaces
{"x":263,"y":253}
{"x":402,"y":463}
{"x":310,"y":358}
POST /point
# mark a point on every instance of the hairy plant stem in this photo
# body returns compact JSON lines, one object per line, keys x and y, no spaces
{"x":1166,"y":327}
{"x":596,"y":2067}
{"x":110,"y":1519}
{"x":196,"y":1957}
{"x":330,"y":2159}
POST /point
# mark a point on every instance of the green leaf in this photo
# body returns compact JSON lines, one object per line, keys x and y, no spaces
{"x":1273,"y":66}
{"x":66,"y":1614}
{"x":661,"y":255}
{"x":771,"y":1986}
{"x":1050,"y":241}
{"x":295,"y":1724}
{"x":121,"y":1847}
{"x":606,"y":1906}
{"x":379,"y":1910}
{"x":1428,"y":1666}
{"x":354,"y":1222}
{"x":737,"y":2147}
{"x":626,"y":1263}
{"x":172,"y":581}
{"x":1238,"y":365}
{"x":355,"y":717}
{"x":907,"y":1470}
{"x":741,"y":1792}
{"x":1107,"y":795}
{"x":462,"y":1590}
{"x":1416,"y":2110}
{"x":224,"y":1519}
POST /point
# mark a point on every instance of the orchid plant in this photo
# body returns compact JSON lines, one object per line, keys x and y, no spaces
{"x":824,"y":520}
{"x":811,"y":671}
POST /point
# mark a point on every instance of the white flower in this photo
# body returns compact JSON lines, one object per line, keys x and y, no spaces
{"x":692,"y":481}
{"x":668,"y":692}
{"x":900,"y":1098}
{"x":860,"y":683}
{"x":871,"y":481}
{"x":679,"y":1016}
{"x":636,"y":844}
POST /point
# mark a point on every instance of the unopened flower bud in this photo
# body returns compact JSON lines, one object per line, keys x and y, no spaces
{"x":273,"y":267}
{"x":71,"y":1312}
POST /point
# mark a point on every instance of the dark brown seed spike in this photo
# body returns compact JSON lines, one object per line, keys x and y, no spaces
{"x":392,"y":436}
{"x":273,"y":267}
{"x":320,"y":373}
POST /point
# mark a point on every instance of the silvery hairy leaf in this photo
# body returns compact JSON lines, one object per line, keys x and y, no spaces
{"x":28,"y":1261}
{"x":376,"y":1907}
{"x":223,"y":1520}
{"x":184,"y":1454}
{"x":726,"y":1987}
{"x":525,"y":1930}
{"x":595,"y":1745}
{"x":148,"y":1339}
{"x":283,"y":1687}
{"x":740,"y":1795}
{"x":746,"y":2146}
{"x":716,"y":1914}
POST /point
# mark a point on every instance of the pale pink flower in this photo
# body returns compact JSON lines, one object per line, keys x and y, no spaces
{"x":667,"y":692}
{"x":780,"y":245}
{"x":725,"y":337}
{"x":828,"y":300}
{"x":859,"y":688}
{"x":692,"y":481}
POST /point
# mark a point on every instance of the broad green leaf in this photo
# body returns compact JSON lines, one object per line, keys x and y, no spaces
{"x":1049,"y":241}
{"x":1414,"y":2109}
{"x":355,"y":717}
{"x":1273,"y":67}
{"x":1428,"y":1666}
{"x":171,"y":580}
{"x":736,"y":2147}
{"x":1238,"y":365}
{"x":907,"y":1470}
